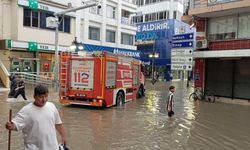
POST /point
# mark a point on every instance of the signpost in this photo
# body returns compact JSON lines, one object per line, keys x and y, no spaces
{"x":182,"y":52}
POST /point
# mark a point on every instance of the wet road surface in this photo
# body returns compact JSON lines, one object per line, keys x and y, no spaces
{"x":143,"y":124}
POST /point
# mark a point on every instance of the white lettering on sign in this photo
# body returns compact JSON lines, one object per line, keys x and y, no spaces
{"x":127,"y":53}
{"x":82,"y":74}
{"x":45,"y":47}
{"x":152,"y":26}
{"x":181,"y":60}
{"x":43,"y":7}
{"x":181,"y":67}
{"x":175,"y":52}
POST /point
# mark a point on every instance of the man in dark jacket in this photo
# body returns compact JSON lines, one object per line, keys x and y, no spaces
{"x":13,"y":85}
{"x":20,"y":88}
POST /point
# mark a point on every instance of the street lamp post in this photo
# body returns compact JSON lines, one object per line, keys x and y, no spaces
{"x":57,"y":14}
{"x":153,"y":55}
{"x":77,"y":46}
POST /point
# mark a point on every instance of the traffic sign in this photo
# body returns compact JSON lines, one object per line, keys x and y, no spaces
{"x":183,"y":44}
{"x":182,"y":60}
{"x":188,"y":67}
{"x":188,"y":36}
{"x":182,"y":51}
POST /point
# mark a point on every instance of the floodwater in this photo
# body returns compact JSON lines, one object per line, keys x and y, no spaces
{"x":143,"y":124}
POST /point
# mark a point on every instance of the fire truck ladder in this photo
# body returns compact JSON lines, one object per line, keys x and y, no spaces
{"x":64,"y":72}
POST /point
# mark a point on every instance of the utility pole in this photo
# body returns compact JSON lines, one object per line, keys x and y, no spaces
{"x":57,"y":14}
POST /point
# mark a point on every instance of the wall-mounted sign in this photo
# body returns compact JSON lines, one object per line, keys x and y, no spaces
{"x":154,"y":26}
{"x":34,"y":4}
{"x":33,"y":46}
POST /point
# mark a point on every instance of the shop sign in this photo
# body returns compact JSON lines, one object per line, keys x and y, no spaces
{"x":9,"y":44}
{"x":155,"y":26}
{"x":32,"y":46}
{"x":34,"y":4}
{"x":126,"y":53}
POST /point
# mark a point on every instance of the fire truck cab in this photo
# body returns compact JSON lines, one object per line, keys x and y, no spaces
{"x":99,"y":79}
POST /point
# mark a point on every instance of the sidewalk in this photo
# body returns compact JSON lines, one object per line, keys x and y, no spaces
{"x":29,"y":91}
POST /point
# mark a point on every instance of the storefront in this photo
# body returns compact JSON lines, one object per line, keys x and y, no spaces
{"x":37,"y":58}
{"x":223,"y":74}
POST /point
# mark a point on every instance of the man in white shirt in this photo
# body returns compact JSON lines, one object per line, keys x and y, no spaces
{"x":38,"y":122}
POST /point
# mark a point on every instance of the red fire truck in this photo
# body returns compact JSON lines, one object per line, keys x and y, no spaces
{"x":99,"y":79}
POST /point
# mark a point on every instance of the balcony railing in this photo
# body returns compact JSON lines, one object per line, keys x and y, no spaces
{"x":130,"y":1}
{"x":127,"y":21}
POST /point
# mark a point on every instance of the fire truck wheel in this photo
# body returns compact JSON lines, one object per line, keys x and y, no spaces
{"x":119,"y":99}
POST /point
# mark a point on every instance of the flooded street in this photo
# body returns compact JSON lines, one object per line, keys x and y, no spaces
{"x":144,"y":125}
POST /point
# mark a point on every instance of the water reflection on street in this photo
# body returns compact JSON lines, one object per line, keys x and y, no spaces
{"x":143,"y":124}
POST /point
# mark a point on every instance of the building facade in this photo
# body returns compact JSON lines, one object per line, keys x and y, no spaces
{"x":153,"y":10}
{"x":223,"y":46}
{"x":26,"y":43}
{"x":107,"y":28}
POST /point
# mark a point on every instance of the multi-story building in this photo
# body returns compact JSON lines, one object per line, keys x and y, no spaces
{"x":167,"y":15}
{"x":108,"y":28}
{"x":26,"y":43}
{"x":223,"y":46}
{"x":154,"y":10}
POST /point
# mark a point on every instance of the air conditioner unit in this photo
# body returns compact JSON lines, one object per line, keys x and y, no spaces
{"x":200,"y":44}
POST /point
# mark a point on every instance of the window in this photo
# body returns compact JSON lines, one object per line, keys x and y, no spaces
{"x":127,"y":39}
{"x":223,"y":28}
{"x":137,"y":19}
{"x":174,"y":15}
{"x":125,"y":13}
{"x":26,"y":17}
{"x":37,"y":19}
{"x":139,"y":2}
{"x":154,"y":16}
{"x":94,"y":33}
{"x":34,"y":19}
{"x":110,"y":11}
{"x":147,"y":17}
{"x":43,"y":16}
{"x":95,"y":10}
{"x":110,"y":36}
{"x":244,"y":26}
